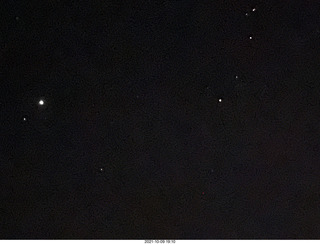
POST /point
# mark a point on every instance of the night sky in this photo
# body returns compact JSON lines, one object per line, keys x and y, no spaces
{"x":159,"y":119}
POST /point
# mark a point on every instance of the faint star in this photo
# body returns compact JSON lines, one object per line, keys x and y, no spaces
{"x":220,"y":100}
{"x":247,"y":14}
{"x":41,"y":102}
{"x":250,"y":37}
{"x":254,"y":9}
{"x":24,"y":119}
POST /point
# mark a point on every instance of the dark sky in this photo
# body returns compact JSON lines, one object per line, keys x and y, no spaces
{"x":132,"y":141}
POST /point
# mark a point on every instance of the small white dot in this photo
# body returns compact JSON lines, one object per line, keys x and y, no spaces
{"x":41,"y":102}
{"x":254,"y":9}
{"x":247,"y":14}
{"x":220,"y":100}
{"x":101,"y":169}
{"x":250,"y":37}
{"x":24,"y":119}
{"x":237,"y":77}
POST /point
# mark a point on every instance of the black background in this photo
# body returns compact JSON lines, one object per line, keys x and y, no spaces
{"x":132,"y":141}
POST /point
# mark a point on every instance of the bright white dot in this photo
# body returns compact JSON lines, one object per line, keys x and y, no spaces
{"x":250,"y":37}
{"x":41,"y":102}
{"x":220,"y":100}
{"x":254,"y":9}
{"x":24,"y":119}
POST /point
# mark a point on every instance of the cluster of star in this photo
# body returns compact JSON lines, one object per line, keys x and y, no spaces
{"x":247,"y":15}
{"x":41,"y":103}
{"x":252,"y":10}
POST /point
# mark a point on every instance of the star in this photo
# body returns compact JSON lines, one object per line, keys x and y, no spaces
{"x":41,"y":102}
{"x":220,"y":100}
{"x":24,"y":119}
{"x":254,"y":9}
{"x":250,"y":37}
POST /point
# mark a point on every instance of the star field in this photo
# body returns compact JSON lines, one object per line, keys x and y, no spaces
{"x":159,"y":120}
